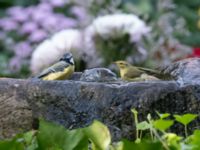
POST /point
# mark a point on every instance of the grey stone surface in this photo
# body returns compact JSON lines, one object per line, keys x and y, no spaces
{"x":98,"y":75}
{"x":185,"y":71}
{"x":77,"y":103}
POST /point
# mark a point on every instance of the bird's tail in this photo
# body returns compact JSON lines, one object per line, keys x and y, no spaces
{"x":156,"y":73}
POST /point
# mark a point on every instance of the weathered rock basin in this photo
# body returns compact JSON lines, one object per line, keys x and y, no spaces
{"x":77,"y":103}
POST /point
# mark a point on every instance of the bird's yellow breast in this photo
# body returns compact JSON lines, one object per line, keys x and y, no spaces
{"x":123,"y":72}
{"x":61,"y":75}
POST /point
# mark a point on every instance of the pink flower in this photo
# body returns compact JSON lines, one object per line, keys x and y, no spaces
{"x":40,"y":15}
{"x":15,"y":64}
{"x":23,"y":49}
{"x":18,"y":13}
{"x":65,"y":22}
{"x":57,"y":3}
{"x":38,"y":36}
{"x":30,"y":10}
{"x":50,"y":22}
{"x":28,"y":27}
{"x":8,"y":24}
{"x":57,"y":22}
{"x":69,"y":22}
{"x":14,"y":10}
{"x":79,"y":12}
{"x":45,"y":7}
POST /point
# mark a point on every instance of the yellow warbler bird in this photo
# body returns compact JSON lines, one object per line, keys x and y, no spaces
{"x":61,"y":70}
{"x":133,"y":73}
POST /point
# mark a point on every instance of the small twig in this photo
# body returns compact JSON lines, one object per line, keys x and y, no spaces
{"x":186,"y":134}
{"x":160,"y":139}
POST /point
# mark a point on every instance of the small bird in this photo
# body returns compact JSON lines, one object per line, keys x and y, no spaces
{"x":133,"y":73}
{"x":60,"y":70}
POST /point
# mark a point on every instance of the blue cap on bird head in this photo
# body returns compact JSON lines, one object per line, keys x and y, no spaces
{"x":67,"y":57}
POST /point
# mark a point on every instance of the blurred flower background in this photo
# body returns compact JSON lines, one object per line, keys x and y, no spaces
{"x":34,"y":34}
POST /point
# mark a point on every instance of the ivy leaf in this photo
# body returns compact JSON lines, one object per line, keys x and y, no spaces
{"x":14,"y":144}
{"x":194,"y":140}
{"x":163,"y":125}
{"x":173,"y":140}
{"x":143,"y":125}
{"x":30,"y":140}
{"x":53,"y":136}
{"x":163,"y":116}
{"x":117,"y":146}
{"x":186,"y":118}
{"x":127,"y":145}
{"x":99,"y":135}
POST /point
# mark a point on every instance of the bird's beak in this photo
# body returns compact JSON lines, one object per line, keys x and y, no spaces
{"x":71,"y":61}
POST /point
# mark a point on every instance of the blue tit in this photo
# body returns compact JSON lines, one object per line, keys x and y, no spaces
{"x":59,"y":71}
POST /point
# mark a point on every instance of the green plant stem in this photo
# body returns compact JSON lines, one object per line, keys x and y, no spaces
{"x":186,"y":134}
{"x":160,"y":139}
{"x":140,"y":134}
{"x":151,"y":133}
{"x":136,"y":123}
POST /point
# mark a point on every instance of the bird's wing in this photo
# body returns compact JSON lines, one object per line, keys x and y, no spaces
{"x":133,"y":72}
{"x":60,"y":66}
{"x":148,"y":70}
{"x":151,"y":72}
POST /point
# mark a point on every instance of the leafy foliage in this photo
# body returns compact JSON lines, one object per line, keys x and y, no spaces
{"x":163,"y":125}
{"x":185,"y":119}
{"x":99,"y":135}
{"x":51,"y":136}
{"x":59,"y":138}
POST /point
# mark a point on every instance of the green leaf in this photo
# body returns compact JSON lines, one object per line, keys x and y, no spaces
{"x":117,"y":146}
{"x":143,"y":125}
{"x":28,"y":136}
{"x":172,"y":137}
{"x":163,"y":116}
{"x":53,"y":136}
{"x":185,"y":119}
{"x":127,"y":145}
{"x":163,"y":125}
{"x":30,"y":140}
{"x":20,"y":142}
{"x":99,"y":135}
{"x":14,"y":144}
{"x":82,"y":145}
{"x":194,"y":140}
{"x":173,"y":140}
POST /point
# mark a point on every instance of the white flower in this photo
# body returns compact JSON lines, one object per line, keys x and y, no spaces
{"x":110,"y":27}
{"x":67,"y":40}
{"x":116,"y":25}
{"x":49,"y":51}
